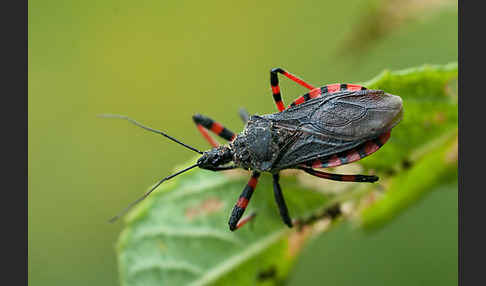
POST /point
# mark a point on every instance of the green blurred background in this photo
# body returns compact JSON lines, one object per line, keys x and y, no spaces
{"x":160,"y":62}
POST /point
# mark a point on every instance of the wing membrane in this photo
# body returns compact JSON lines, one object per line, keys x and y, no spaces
{"x":334,"y":123}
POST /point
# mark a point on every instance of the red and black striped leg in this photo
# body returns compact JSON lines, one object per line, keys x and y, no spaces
{"x":242,"y":203}
{"x":205,"y":123}
{"x":338,"y":177}
{"x":246,"y":219}
{"x":282,"y":207}
{"x":277,"y":97}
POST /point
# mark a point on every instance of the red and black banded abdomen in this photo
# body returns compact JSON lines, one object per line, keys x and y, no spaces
{"x":345,"y":157}
{"x":326,"y":90}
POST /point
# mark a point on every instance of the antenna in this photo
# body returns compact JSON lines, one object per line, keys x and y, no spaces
{"x":149,"y":129}
{"x":124,"y":211}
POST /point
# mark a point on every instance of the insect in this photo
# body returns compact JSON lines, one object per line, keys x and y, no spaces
{"x":329,"y":126}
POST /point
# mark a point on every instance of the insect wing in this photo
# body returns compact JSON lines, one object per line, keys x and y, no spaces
{"x":334,"y":123}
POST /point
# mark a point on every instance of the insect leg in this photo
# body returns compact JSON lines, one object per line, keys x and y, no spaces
{"x":246,"y":219}
{"x":282,"y":207}
{"x":338,"y":177}
{"x":242,"y":202}
{"x":205,"y":123}
{"x":277,"y":97}
{"x":244,"y":115}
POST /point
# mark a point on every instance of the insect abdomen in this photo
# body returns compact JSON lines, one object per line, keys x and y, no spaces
{"x":330,"y":88}
{"x":352,"y":155}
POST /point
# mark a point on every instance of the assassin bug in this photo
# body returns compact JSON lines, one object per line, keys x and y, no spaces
{"x":329,"y":126}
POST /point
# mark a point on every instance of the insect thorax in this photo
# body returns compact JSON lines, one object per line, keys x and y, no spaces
{"x":257,"y":146}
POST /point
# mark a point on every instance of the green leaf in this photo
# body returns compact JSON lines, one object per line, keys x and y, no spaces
{"x":436,"y":168}
{"x":179,"y":235}
{"x":418,"y":155}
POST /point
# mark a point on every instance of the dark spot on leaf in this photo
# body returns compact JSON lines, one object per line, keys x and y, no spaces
{"x":270,"y":273}
{"x":406,"y":164}
{"x":334,"y":211}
